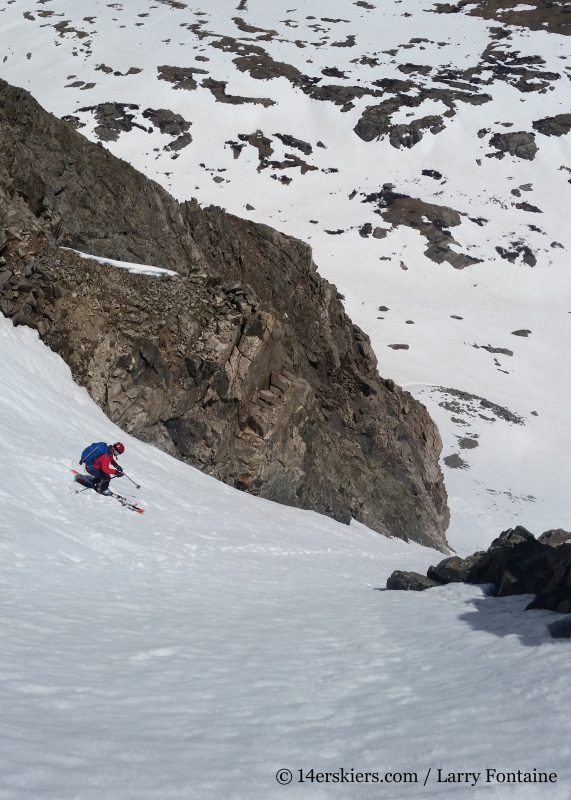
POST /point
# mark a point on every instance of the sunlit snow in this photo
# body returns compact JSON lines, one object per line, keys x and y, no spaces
{"x":195,"y":650}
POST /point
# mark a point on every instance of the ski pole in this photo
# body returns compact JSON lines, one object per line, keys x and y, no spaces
{"x":132,"y":481}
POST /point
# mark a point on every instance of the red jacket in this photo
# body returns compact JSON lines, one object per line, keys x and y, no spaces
{"x":106,"y":463}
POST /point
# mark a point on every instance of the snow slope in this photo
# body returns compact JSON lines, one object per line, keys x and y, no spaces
{"x":75,"y":56}
{"x":195,"y":650}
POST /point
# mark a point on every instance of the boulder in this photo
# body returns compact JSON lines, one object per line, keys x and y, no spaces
{"x":410,"y":581}
{"x":517,"y":143}
{"x":561,"y":628}
{"x":454,"y":569}
{"x":554,"y":537}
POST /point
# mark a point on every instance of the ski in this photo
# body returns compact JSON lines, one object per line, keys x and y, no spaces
{"x":127,"y":504}
{"x":87,"y":484}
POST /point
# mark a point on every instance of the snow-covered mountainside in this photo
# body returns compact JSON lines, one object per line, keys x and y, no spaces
{"x":421,"y":149}
{"x":206,"y":646}
{"x":196,"y":649}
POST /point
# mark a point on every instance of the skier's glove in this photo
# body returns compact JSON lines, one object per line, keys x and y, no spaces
{"x":119,"y":472}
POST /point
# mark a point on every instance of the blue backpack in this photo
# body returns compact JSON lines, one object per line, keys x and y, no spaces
{"x":92,"y":452}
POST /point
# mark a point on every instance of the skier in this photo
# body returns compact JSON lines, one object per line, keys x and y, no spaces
{"x":103,"y":466}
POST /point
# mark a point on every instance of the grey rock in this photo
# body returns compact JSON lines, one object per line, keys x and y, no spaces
{"x":167,"y":121}
{"x":112,"y":119}
{"x":525,"y":206}
{"x":453,"y":569}
{"x":218,"y":89}
{"x":410,"y":581}
{"x":559,"y":125}
{"x":554,"y":537}
{"x":181,"y":77}
{"x":180,"y":142}
{"x":291,"y":141}
{"x":517,"y":143}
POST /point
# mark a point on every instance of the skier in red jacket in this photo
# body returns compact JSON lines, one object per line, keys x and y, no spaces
{"x":104,"y":467}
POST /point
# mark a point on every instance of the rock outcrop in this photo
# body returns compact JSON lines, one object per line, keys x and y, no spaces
{"x":516,"y":143}
{"x":244,"y":363}
{"x":515,"y":563}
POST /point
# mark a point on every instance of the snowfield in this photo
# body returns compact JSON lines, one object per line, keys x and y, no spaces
{"x":196,"y":649}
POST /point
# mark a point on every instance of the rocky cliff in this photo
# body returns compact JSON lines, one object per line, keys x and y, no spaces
{"x":244,"y":364}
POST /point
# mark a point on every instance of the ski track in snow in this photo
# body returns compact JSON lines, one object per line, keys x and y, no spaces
{"x":197,"y":649}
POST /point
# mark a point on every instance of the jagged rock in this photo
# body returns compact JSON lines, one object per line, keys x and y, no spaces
{"x":291,"y":141}
{"x":554,"y":537}
{"x":516,"y":143}
{"x":167,"y":121}
{"x":410,"y":581}
{"x":554,"y":593}
{"x":515,"y":562}
{"x":408,"y":135}
{"x":453,"y":569}
{"x":112,"y":119}
{"x":182,"y":77}
{"x":244,"y":364}
{"x":559,"y":125}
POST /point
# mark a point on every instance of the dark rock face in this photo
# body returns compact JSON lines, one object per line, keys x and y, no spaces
{"x":452,"y":570}
{"x":112,"y":119}
{"x":516,"y":563}
{"x":167,"y":121}
{"x":558,"y":125}
{"x":244,"y":364}
{"x":218,"y":89}
{"x":182,"y":77}
{"x":519,"y":143}
{"x":411,"y":134}
{"x":291,"y":141}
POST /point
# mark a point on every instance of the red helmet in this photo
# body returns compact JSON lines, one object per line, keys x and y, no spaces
{"x":118,"y":447}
